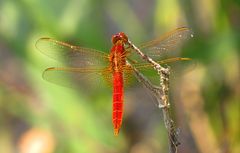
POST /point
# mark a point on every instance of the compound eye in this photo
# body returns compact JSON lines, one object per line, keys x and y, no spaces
{"x":115,"y":38}
{"x":123,"y":36}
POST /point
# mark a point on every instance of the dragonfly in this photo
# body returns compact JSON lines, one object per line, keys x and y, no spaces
{"x":115,"y":68}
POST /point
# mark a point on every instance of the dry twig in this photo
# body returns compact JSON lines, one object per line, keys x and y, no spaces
{"x":161,"y":94}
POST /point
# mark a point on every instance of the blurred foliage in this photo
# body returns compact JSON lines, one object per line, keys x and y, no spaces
{"x":206,"y":100}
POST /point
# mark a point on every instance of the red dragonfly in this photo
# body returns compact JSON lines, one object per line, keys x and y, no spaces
{"x":85,"y":64}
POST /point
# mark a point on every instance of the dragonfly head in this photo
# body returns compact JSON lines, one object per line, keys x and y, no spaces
{"x":119,"y":37}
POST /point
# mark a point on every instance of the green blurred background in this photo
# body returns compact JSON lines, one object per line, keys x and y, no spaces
{"x":42,"y":117}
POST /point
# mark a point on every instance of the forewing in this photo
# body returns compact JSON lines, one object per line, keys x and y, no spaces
{"x":73,"y":56}
{"x":167,"y":45}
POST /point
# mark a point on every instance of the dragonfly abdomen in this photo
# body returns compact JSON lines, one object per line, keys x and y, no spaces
{"x":117,"y":101}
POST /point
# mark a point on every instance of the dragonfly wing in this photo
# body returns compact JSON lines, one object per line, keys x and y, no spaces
{"x":178,"y":65}
{"x":78,"y":77}
{"x":73,"y":56}
{"x":166,"y":45}
{"x":167,"y":61}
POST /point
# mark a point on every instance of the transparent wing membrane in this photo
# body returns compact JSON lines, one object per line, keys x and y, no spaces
{"x":77,"y":77}
{"x":167,"y":45}
{"x":168,"y":61}
{"x":178,"y":65}
{"x":73,"y":56}
{"x":91,"y":68}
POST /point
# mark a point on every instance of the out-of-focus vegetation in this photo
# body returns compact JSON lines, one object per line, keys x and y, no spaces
{"x":42,"y":117}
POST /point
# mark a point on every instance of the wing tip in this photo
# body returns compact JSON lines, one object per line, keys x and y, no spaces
{"x":40,"y":39}
{"x":185,"y":59}
{"x":46,"y":70}
{"x":185,"y":28}
{"x":43,"y":38}
{"x":50,"y":68}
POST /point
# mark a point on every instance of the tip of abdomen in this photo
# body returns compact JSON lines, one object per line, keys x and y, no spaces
{"x":116,"y":131}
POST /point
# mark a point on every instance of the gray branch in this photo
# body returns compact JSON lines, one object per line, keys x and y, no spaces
{"x":161,"y":93}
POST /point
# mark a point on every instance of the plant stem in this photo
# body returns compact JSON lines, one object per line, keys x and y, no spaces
{"x":161,"y":94}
